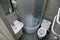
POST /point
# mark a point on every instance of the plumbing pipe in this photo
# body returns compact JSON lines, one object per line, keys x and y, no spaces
{"x":58,"y":16}
{"x":52,"y":28}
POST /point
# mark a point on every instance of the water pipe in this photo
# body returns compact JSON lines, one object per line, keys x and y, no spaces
{"x":56,"y":18}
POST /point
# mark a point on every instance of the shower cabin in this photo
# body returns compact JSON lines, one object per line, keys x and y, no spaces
{"x":34,"y":7}
{"x":31,"y":13}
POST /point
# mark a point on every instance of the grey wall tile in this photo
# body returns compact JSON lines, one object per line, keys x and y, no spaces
{"x":51,"y":9}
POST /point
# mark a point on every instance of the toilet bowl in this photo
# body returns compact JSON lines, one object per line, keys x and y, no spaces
{"x":41,"y":32}
{"x":44,"y":27}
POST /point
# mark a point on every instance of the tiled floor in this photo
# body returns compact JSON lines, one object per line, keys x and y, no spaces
{"x":33,"y":36}
{"x":27,"y":36}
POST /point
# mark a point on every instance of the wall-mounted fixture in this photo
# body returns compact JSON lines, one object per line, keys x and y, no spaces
{"x":56,"y":25}
{"x":17,"y":28}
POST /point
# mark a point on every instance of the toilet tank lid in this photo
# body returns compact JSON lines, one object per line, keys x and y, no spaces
{"x":45,"y":24}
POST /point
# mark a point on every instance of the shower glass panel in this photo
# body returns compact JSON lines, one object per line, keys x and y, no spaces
{"x":25,"y":7}
{"x":39,"y":8}
{"x":34,"y":7}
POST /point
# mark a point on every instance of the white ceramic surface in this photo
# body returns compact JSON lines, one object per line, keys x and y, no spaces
{"x":17,"y":26}
{"x":44,"y":27}
{"x":41,"y":32}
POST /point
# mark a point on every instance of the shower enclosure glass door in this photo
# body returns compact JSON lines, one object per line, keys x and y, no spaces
{"x":34,"y":7}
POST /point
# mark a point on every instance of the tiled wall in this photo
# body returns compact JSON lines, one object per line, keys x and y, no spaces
{"x":6,"y":5}
{"x":51,"y":9}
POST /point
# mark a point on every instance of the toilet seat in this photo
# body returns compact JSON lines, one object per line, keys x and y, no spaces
{"x":41,"y":32}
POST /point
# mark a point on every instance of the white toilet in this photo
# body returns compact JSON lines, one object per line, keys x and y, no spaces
{"x":44,"y":27}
